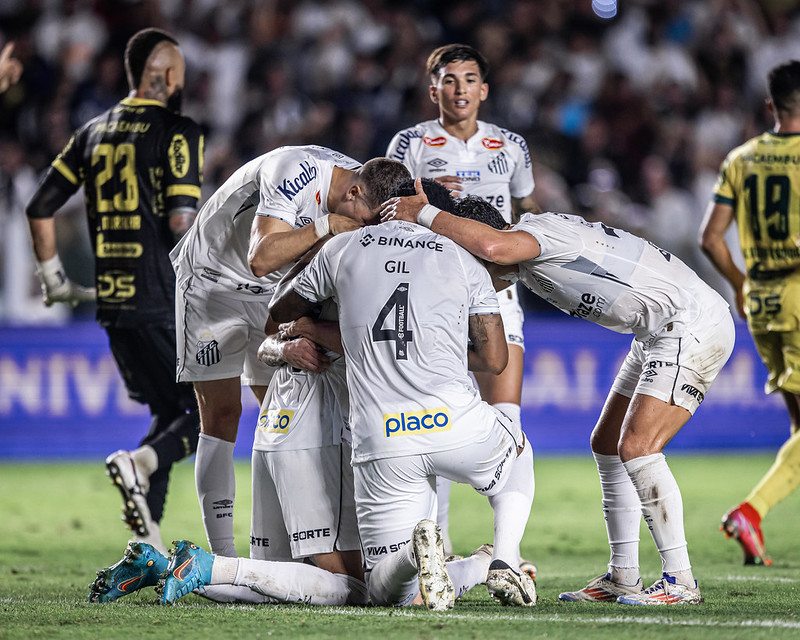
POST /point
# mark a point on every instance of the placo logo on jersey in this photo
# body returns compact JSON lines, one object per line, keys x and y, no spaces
{"x":437,"y":163}
{"x":290,"y":187}
{"x":492,"y":143}
{"x":500,"y":164}
{"x":411,"y":423}
{"x":275,"y":421}
{"x":178,"y":153}
{"x":438,"y":141}
{"x":469,"y":175}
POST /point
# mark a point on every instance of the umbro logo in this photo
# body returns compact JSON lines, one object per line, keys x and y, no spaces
{"x":650,"y":373}
{"x":304,"y":220}
{"x":223,"y":504}
{"x":437,"y":163}
{"x":367,"y":240}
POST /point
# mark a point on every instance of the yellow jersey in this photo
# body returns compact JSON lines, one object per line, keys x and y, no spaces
{"x":761,"y":181}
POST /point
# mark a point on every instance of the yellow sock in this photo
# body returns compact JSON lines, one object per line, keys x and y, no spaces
{"x":782,"y":478}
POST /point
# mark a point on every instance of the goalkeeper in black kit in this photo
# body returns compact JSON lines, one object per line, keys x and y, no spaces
{"x":141,"y":167}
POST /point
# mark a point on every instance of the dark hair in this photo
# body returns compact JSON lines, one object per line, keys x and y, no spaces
{"x":456,"y":53}
{"x":475,"y":208}
{"x":784,"y":86}
{"x":381,"y":177}
{"x":138,"y":50}
{"x":437,"y":194}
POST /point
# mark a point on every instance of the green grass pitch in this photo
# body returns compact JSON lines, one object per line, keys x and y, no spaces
{"x":60,"y":524}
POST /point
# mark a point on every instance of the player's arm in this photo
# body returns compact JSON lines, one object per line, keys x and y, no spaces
{"x":59,"y":183}
{"x":300,"y":352}
{"x":488,"y":350}
{"x":526,"y":204}
{"x":718,"y":218}
{"x":483,"y":241}
{"x":183,"y":176}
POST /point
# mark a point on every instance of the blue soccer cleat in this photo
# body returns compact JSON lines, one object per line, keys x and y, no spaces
{"x":189,"y":568}
{"x":141,"y":566}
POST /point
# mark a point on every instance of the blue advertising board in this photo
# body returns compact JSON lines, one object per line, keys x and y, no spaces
{"x":61,"y":395}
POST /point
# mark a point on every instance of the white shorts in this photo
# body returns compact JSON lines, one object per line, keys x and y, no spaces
{"x":679,"y":370}
{"x":218,"y":336}
{"x":394,"y":494}
{"x":302,"y":503}
{"x":512,"y":315}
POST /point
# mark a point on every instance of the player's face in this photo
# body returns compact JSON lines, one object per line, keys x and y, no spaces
{"x":355,"y":206}
{"x":459,"y":90}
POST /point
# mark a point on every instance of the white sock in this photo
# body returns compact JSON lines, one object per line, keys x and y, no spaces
{"x":231,"y":593}
{"x":468,"y":572}
{"x":153,"y":537}
{"x":393,"y":580}
{"x":216,"y":491}
{"x":623,"y":512}
{"x":662,"y":507}
{"x":289,"y":582}
{"x":512,"y":410}
{"x":443,"y":512}
{"x":512,"y":508}
{"x":146,"y":459}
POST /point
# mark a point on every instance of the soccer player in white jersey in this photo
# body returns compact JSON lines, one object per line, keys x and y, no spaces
{"x":409,"y":301}
{"x":267,"y":214}
{"x":470,"y":156}
{"x":683,"y":335}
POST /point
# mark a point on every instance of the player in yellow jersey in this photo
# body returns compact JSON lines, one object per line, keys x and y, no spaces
{"x":759,"y":188}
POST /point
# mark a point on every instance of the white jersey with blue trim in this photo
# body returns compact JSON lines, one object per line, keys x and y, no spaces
{"x":405,"y":295}
{"x":494,"y":164}
{"x":288,"y":183}
{"x":611,"y":277}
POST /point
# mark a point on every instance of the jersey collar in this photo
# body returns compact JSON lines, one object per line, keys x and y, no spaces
{"x":469,"y":142}
{"x":141,"y":102}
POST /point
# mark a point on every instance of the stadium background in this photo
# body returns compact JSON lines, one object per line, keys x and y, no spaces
{"x":628,"y":120}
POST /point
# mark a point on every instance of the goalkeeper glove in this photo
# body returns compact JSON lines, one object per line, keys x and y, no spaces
{"x":56,"y":287}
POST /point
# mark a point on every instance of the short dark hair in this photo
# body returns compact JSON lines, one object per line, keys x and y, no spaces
{"x":437,"y":194}
{"x":138,"y":50}
{"x":456,"y":53}
{"x":475,"y":208}
{"x":381,"y":177}
{"x":784,"y":86}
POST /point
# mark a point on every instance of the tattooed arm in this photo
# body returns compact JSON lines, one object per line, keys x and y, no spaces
{"x":488,"y":351}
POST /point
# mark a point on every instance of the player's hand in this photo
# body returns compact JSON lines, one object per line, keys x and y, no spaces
{"x":10,"y":68}
{"x":342,"y":224}
{"x":405,"y":208}
{"x":304,"y":354}
{"x":300,"y":328}
{"x":453,"y":184}
{"x":68,"y":293}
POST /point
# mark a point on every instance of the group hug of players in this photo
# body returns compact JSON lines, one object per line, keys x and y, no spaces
{"x":355,"y":300}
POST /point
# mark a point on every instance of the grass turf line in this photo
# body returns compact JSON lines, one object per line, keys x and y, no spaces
{"x":61,"y":524}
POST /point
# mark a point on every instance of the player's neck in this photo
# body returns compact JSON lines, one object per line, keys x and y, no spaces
{"x":461,"y":129}
{"x":787,"y":125}
{"x":340,"y":182}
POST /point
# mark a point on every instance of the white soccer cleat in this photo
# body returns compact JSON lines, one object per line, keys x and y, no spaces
{"x":133,"y":486}
{"x":435,"y":585}
{"x":509,"y":587}
{"x":666,"y":591}
{"x":601,"y":589}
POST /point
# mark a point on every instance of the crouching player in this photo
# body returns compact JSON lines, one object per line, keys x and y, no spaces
{"x":409,"y":301}
{"x":683,"y":335}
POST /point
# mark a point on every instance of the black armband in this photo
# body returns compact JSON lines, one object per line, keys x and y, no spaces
{"x":52,"y":193}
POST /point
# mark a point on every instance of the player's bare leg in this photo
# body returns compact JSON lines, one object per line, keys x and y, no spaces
{"x":348,"y":563}
{"x":220,"y":407}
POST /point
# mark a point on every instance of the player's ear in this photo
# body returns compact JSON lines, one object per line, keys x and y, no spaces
{"x":354,"y":191}
{"x":770,"y":106}
{"x":484,"y":91}
{"x":432,"y":94}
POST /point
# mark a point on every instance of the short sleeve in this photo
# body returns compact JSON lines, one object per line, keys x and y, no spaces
{"x":522,"y":183}
{"x":400,"y":148}
{"x":724,"y":189}
{"x":316,"y":282}
{"x":283,"y":186}
{"x":528,"y":224}
{"x":482,"y":296}
{"x":183,"y":175}
{"x":68,"y":170}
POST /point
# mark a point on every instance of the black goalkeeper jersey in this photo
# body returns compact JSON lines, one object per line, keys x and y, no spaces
{"x":137,"y":162}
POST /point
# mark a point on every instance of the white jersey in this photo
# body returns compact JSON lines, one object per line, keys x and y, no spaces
{"x":405,"y":295}
{"x":289,"y":183}
{"x":494,"y":163}
{"x":610,"y":276}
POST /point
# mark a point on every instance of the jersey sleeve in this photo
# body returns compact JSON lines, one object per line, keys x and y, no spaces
{"x":279,"y":195}
{"x":529,"y":224}
{"x":401,"y":148}
{"x":725,"y":187}
{"x":68,"y":165}
{"x":183,"y":172}
{"x":482,"y":296}
{"x":521,"y":184}
{"x":316,"y":282}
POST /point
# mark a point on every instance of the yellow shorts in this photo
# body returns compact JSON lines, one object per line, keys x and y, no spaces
{"x":773,"y":315}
